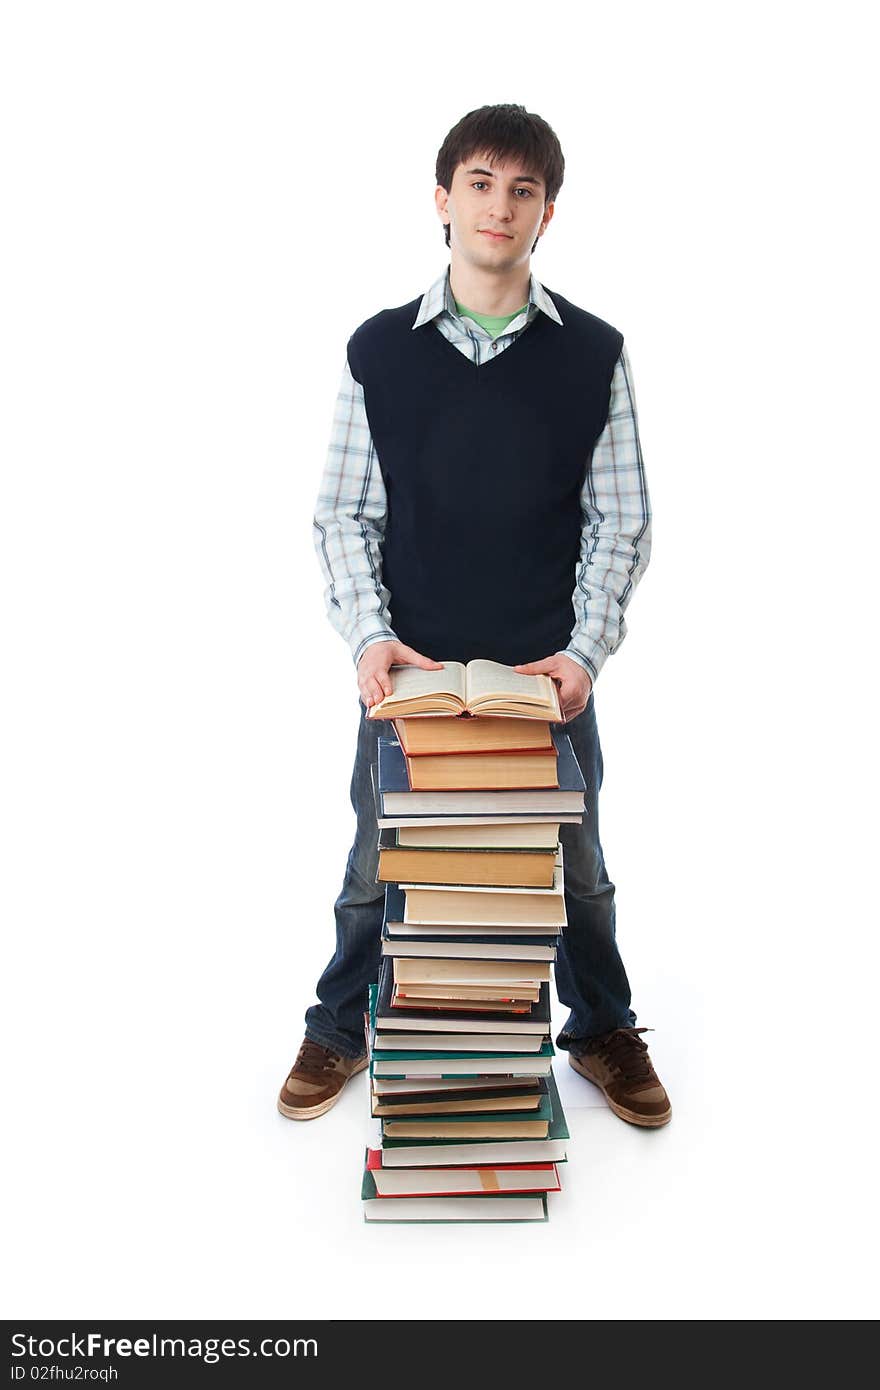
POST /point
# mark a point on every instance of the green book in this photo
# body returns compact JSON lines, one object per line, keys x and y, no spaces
{"x":558,"y":1127}
{"x":556,"y":1135}
{"x":428,"y":1101}
{"x":383,"y":1055}
{"x":546,"y":1051}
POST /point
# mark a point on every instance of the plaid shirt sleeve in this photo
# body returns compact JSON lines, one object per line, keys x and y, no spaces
{"x":349,"y":525}
{"x":616,"y":530}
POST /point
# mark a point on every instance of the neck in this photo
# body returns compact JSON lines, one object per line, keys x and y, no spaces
{"x":489,"y":292}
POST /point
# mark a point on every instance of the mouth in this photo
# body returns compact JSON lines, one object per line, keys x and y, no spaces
{"x":496,"y":236}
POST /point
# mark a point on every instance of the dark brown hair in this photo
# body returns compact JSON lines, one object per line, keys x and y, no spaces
{"x":503,"y":133}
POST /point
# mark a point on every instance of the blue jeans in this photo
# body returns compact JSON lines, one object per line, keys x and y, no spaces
{"x":590,"y":978}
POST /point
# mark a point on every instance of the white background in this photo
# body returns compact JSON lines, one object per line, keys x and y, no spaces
{"x":202,"y":203}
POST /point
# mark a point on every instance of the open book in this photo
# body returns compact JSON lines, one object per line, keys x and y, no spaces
{"x":481,"y":687}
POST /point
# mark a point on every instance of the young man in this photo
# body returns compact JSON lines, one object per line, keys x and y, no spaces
{"x":484,"y":496}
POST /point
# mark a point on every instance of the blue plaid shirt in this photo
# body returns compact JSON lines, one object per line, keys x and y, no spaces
{"x":615,"y":508}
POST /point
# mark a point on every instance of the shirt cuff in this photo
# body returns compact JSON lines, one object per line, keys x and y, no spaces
{"x":365,"y":633}
{"x":590,"y":656}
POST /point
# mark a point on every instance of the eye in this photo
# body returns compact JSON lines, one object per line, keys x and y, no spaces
{"x":481,"y":183}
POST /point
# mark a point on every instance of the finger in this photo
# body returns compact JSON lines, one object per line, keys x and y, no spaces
{"x":416,"y":659}
{"x":536,"y":668}
{"x":371,"y":692}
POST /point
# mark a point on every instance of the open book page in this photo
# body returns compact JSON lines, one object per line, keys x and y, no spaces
{"x":491,"y":678}
{"x":409,"y":682}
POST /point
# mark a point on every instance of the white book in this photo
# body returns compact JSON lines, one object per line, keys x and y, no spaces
{"x":525,"y":803}
{"x":453,"y":929}
{"x":454,"y":1209}
{"x":478,"y":905}
{"x":397,"y":821}
{"x":439,"y":909}
{"x":479,"y":685}
{"x":466,"y":950}
{"x":387,"y":821}
{"x":403,"y":1067}
{"x":382,"y":1086}
{"x":455,"y":1025}
{"x":477,"y":972}
{"x":436,"y":1182}
{"x":529,"y":835}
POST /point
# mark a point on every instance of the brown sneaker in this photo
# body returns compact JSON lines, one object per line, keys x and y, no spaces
{"x":316,"y":1080}
{"x":618,"y":1063}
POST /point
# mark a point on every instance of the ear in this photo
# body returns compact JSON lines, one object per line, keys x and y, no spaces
{"x":440,"y":199}
{"x":548,"y":214}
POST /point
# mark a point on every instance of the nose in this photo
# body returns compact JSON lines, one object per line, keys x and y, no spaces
{"x":500,"y":210}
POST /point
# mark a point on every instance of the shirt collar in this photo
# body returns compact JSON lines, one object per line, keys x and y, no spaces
{"x":440,"y":299}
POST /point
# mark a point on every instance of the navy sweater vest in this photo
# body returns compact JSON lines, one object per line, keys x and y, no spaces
{"x":483,"y":468}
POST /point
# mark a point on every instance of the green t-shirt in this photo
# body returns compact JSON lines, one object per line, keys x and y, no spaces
{"x":492,"y":325}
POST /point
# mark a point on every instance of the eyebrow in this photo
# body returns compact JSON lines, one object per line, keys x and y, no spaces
{"x":517,"y":178}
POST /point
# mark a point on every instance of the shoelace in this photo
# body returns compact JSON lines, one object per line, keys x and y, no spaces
{"x":314,"y":1059}
{"x":623,"y":1050}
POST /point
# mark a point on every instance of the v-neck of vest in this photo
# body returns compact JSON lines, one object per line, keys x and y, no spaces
{"x":537,"y":324}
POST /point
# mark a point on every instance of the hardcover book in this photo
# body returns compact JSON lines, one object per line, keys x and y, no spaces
{"x":389,"y":1017}
{"x":475,"y":734}
{"x":458,"y":1208}
{"x":480,"y":687}
{"x":531,"y":1123}
{"x":524,"y":1097}
{"x":406,"y":1153}
{"x":403,"y":1066}
{"x":476,"y":1181}
{"x":424,"y":1086}
{"x":467,"y":818}
{"x":430,"y":904}
{"x":496,"y":937}
{"x":487,"y":867}
{"x":523,"y":836}
{"x":481,"y":771}
{"x":396,"y":797}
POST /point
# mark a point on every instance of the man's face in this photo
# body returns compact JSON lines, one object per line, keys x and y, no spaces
{"x":487,"y":198}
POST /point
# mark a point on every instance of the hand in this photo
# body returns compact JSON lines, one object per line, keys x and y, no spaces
{"x":374,"y":682}
{"x":572,"y":681}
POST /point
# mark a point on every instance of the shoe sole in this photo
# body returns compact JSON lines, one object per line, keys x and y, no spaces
{"x":291,"y":1112}
{"x":643,"y":1121}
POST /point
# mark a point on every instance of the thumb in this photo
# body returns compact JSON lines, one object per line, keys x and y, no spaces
{"x":537,"y":668}
{"x":415,"y":658}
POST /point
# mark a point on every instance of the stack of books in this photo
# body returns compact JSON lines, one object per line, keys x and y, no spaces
{"x":466,"y":1122}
